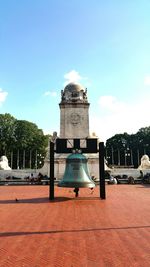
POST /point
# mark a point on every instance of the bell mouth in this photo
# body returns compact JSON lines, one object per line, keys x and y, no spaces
{"x":76,"y":184}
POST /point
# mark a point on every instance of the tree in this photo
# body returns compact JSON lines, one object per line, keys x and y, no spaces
{"x":116,"y":148}
{"x":142,"y":138}
{"x":22,"y":142}
{"x":32,"y":141}
{"x":7,"y":132}
{"x":125,"y":149}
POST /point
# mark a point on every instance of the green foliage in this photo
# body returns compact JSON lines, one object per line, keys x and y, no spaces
{"x":27,"y":142}
{"x":7,"y":131}
{"x":125,"y":149}
{"x":28,"y":135}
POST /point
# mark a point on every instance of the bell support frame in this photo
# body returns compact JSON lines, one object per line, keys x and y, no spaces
{"x":85,"y":145}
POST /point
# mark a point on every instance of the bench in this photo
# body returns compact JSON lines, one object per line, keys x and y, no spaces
{"x":13,"y":182}
{"x":126,"y":181}
{"x":19,"y":182}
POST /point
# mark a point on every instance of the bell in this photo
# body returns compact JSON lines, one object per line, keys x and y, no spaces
{"x":76,"y":172}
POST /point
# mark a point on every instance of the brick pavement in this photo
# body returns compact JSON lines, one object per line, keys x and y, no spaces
{"x":75,"y":232}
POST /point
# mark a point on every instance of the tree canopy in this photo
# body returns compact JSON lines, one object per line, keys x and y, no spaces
{"x":22,"y":138}
{"x":25,"y":144}
{"x":125,"y":149}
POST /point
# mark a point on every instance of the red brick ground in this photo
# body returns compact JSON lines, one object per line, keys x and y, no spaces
{"x":69,"y":232}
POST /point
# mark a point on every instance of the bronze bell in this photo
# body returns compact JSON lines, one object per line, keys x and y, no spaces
{"x":76,"y":172}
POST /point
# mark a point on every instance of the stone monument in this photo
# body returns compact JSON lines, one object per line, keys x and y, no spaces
{"x":145,"y":163}
{"x":4,"y":163}
{"x":74,"y":112}
{"x":74,"y":123}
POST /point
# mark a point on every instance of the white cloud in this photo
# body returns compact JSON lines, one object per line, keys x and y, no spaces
{"x":72,"y":76}
{"x":119,"y":117}
{"x":147,"y":80}
{"x":3,"y":96}
{"x":50,"y":93}
{"x":111,"y":103}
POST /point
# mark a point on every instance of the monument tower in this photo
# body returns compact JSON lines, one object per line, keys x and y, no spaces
{"x":74,"y":123}
{"x":74,"y":112}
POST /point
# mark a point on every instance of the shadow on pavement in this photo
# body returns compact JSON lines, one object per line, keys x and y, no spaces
{"x":34,"y":200}
{"x":8,"y":234}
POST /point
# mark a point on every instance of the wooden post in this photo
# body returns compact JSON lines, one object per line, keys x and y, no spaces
{"x":101,"y":171}
{"x":51,"y":189}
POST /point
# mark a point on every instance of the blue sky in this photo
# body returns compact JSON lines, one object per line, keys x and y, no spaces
{"x":104,"y":45}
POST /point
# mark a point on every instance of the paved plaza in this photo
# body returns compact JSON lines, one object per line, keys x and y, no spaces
{"x":75,"y":232}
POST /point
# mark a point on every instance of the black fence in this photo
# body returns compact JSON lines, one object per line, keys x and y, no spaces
{"x":125,"y":157}
{"x":24,"y":159}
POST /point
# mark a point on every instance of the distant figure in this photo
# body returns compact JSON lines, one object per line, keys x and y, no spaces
{"x":112,"y":180}
{"x":31,"y":178}
{"x":146,"y":178}
{"x":115,"y":181}
{"x":4,"y":163}
{"x":39,"y":177}
{"x":141,"y":174}
{"x":130,"y":180}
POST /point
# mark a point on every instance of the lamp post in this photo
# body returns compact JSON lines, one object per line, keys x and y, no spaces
{"x":108,"y":159}
{"x":131,"y":157}
{"x":11,"y":159}
{"x":145,"y":148}
{"x":138,"y":157}
{"x":118,"y":156}
{"x":112,"y":155}
{"x":18,"y":159}
{"x":24,"y":156}
{"x":127,"y":156}
{"x":35,"y":160}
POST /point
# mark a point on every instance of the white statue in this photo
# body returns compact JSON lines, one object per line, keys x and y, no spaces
{"x":145,"y":163}
{"x":4,"y":163}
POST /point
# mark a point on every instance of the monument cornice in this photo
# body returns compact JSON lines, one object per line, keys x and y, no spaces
{"x":73,"y":105}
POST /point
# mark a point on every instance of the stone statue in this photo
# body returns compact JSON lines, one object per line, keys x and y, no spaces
{"x":62,"y":95}
{"x":85,"y":94}
{"x":54,"y":137}
{"x":4,"y":163}
{"x":145,"y":163}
